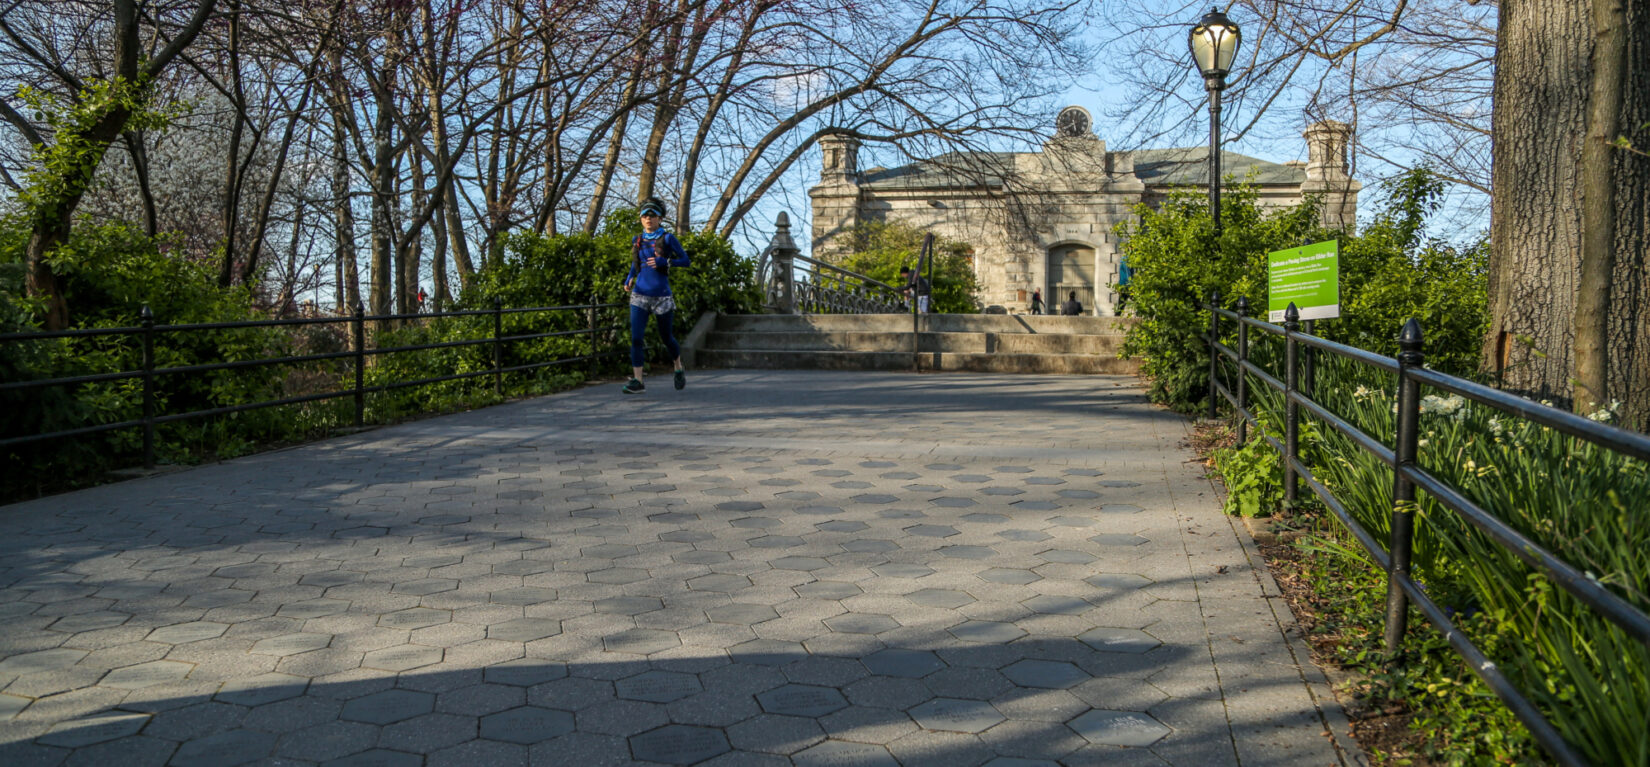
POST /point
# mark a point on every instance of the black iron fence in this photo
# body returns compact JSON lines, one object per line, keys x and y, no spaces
{"x":1408,"y":476}
{"x":601,"y":346}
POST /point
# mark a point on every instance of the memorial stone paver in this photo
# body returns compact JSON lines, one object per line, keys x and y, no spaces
{"x":808,"y":568}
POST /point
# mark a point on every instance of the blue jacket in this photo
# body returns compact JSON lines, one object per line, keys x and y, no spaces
{"x":668,"y":252}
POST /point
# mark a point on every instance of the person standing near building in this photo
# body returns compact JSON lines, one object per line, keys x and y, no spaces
{"x":1037,"y":301}
{"x":652,"y":254}
{"x":1071,"y":308}
{"x":917,"y":286}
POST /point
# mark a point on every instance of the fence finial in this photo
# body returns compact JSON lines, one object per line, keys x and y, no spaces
{"x":1291,"y":315}
{"x":1243,"y":305}
{"x":1409,"y":339}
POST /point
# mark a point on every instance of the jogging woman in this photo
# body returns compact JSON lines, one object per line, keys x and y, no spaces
{"x":652,"y":254}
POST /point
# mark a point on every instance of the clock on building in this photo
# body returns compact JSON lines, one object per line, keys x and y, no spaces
{"x":1073,"y":122}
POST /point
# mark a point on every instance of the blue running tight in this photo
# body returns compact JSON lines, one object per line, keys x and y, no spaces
{"x":638,"y":327}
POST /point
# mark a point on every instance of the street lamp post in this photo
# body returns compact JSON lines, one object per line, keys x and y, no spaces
{"x":1214,"y":42}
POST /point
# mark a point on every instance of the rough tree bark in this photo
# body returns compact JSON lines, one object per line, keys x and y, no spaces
{"x":1543,"y":97}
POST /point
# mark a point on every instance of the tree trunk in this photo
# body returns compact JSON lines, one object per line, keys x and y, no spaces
{"x":615,"y":144}
{"x":232,"y":182}
{"x":140,"y":168}
{"x":1544,"y":66}
{"x":438,"y":260}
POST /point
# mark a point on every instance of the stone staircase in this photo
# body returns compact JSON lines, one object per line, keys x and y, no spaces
{"x":984,"y":343}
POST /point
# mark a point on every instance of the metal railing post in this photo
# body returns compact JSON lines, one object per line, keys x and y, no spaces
{"x":1309,"y":365}
{"x":590,"y":316}
{"x":148,"y":323}
{"x":1405,"y":445}
{"x":498,"y":346}
{"x":358,"y":327}
{"x":1242,"y":377}
{"x":1291,"y":411}
{"x":1214,"y":356}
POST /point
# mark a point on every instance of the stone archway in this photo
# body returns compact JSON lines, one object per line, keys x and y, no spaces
{"x":1070,"y":269}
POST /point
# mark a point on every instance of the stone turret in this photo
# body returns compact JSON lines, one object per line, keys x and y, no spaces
{"x":1327,"y":172}
{"x":836,"y":196}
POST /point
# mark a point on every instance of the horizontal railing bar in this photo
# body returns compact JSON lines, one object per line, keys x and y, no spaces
{"x":1257,"y":371}
{"x":1521,"y":707}
{"x":1365,"y":538}
{"x":243,"y":324}
{"x":425,"y":347}
{"x":10,"y":385}
{"x":78,"y":333}
{"x":1586,"y":589}
{"x":240,"y":364}
{"x":251,"y":406}
{"x":835,"y":268}
{"x":1365,"y":441}
{"x":69,"y":433}
{"x":1603,"y":435}
{"x":1370,"y":358}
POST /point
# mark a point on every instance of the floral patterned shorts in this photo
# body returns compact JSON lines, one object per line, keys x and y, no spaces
{"x":660,"y":305}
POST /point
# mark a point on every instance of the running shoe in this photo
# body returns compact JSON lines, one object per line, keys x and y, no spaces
{"x":681,"y":380}
{"x":634,"y":387}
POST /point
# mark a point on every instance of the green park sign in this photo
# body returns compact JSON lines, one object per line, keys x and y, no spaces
{"x":1308,"y":277}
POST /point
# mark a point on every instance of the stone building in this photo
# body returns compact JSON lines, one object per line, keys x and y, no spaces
{"x":1045,"y":219}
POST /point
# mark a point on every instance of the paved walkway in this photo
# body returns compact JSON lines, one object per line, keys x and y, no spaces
{"x":781,"y":567}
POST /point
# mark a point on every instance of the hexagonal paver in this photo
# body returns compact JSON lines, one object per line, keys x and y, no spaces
{"x":388,"y":707}
{"x":658,"y":686}
{"x":261,"y":689}
{"x":414,"y":618}
{"x":1070,"y":521}
{"x":402,"y":657}
{"x":524,"y":672}
{"x":1009,"y":575}
{"x":932,"y":531}
{"x":758,"y":523}
{"x":94,"y":728}
{"x":767,"y":652}
{"x":522,"y":567}
{"x":1077,"y":494}
{"x":1057,"y":605}
{"x":839,"y":753}
{"x":942,"y":598}
{"x":291,"y":644}
{"x":700,"y":557}
{"x":313,"y":608}
{"x":1044,"y":481}
{"x":679,"y":744}
{"x":526,"y":725}
{"x":1047,"y":674}
{"x":861,"y":623}
{"x":718,"y":582}
{"x":911,"y":664}
{"x":902,"y":570}
{"x":968,"y":552}
{"x":953,"y":502}
{"x":524,"y":629}
{"x":146,"y":675}
{"x":738,"y":505}
{"x":828,"y":590}
{"x":956,"y":715}
{"x":522,"y":597}
{"x":802,"y":700}
{"x":805,"y":564}
{"x":987,"y":632}
{"x":628,"y":605}
{"x":180,"y":633}
{"x":875,"y":498}
{"x":224,"y":748}
{"x":37,"y":662}
{"x":1119,"y":640}
{"x":1118,"y":728}
{"x":641,"y":641}
{"x":424,"y":587}
{"x":617,"y":575}
{"x":1024,"y":535}
{"x":776,"y":542}
{"x":1117,"y":581}
{"x":1118,"y":483}
{"x":1120,"y":508}
{"x":741,"y":614}
{"x":869,"y":546}
{"x":841,"y":526}
{"x":1118,"y":539}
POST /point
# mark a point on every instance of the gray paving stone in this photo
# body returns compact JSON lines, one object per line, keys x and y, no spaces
{"x":1118,"y":728}
{"x":862,"y":623}
{"x":1009,"y":575}
{"x":838,"y":753}
{"x":291,"y":644}
{"x":378,"y":757}
{"x":954,"y":715}
{"x":828,"y":590}
{"x":262,"y":689}
{"x":802,"y":700}
{"x":402,"y":658}
{"x":526,"y":725}
{"x":641,"y":641}
{"x":1045,"y":673}
{"x":679,"y":744}
{"x":993,"y":632}
{"x":1119,"y":640}
{"x":524,"y":629}
{"x":658,"y":686}
{"x":146,"y":675}
{"x":524,"y":672}
{"x":96,"y":728}
{"x":224,"y":749}
{"x":742,"y":614}
{"x":940,"y":598}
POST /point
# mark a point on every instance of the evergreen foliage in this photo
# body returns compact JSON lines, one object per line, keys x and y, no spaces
{"x":880,"y":249}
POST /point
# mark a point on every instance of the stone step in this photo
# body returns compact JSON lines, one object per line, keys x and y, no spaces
{"x":773,"y":359}
{"x":964,"y":343}
{"x":938,"y":323}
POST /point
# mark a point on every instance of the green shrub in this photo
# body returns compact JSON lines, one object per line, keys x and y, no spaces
{"x":1389,"y":273}
{"x":880,"y":249}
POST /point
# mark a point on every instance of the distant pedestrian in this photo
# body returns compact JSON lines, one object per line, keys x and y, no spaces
{"x":915,"y":285}
{"x":1037,"y":301}
{"x":1071,"y":308}
{"x":652,"y":254}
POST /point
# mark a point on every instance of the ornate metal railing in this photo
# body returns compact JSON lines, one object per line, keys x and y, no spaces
{"x":821,"y":288}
